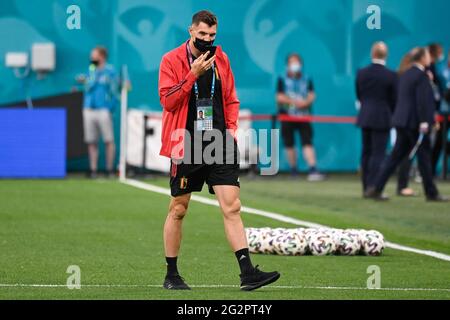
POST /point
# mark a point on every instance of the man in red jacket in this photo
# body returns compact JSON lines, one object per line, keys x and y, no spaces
{"x":196,"y":79}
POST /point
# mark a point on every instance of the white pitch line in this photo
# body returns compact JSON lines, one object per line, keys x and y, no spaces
{"x":213,"y":286}
{"x":278,"y":217}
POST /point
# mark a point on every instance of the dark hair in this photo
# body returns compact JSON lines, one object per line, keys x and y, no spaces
{"x":434,"y":49}
{"x":294,"y":55}
{"x":418,"y":53}
{"x":204,"y":16}
{"x":103,"y":51}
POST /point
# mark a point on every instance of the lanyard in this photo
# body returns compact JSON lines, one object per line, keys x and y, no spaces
{"x":213,"y":82}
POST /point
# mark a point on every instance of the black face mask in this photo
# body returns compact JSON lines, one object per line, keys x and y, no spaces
{"x":95,"y":62}
{"x":203,"y":45}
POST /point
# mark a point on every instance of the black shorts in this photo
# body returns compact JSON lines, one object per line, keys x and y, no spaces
{"x":187,"y":178}
{"x":288,"y":130}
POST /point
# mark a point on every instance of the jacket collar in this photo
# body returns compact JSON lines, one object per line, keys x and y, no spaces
{"x":419,"y":66}
{"x":379,"y":62}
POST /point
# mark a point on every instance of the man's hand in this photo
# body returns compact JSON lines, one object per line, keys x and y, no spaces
{"x":305,"y":103}
{"x":424,"y":127}
{"x":301,"y":104}
{"x":201,"y":65}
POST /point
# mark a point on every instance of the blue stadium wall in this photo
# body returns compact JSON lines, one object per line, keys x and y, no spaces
{"x":331,"y":35}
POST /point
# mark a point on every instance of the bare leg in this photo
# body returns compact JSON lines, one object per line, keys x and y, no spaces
{"x":251,"y":277}
{"x":228,"y":197}
{"x":309,"y":155}
{"x":93,"y":156}
{"x":173,"y":226}
{"x":110,"y":153}
{"x":292,"y":158}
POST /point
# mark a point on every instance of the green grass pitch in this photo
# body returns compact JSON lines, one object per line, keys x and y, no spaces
{"x":113,"y":232}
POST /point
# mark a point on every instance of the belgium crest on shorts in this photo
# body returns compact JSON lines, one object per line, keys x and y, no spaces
{"x":183,"y":183}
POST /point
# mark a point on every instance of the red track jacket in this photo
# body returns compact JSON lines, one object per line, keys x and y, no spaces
{"x":175,"y":85}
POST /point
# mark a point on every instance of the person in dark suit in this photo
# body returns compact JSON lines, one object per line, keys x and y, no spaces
{"x":403,"y":174}
{"x":414,"y":115}
{"x":376,"y":92}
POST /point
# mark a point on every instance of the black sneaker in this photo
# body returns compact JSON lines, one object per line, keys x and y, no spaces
{"x":175,"y":282}
{"x":372,"y":193}
{"x":257,"y":278}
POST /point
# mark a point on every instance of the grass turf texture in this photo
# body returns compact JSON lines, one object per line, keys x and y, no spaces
{"x":114,"y":233}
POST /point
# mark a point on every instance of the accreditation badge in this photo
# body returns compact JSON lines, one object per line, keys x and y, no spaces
{"x":204,"y":120}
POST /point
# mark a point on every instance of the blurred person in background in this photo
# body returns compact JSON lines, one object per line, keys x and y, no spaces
{"x":295,"y":97}
{"x":404,"y":170}
{"x":376,"y":90}
{"x":445,"y":108}
{"x":435,"y":73}
{"x":445,"y":76}
{"x":437,"y":58}
{"x":413,"y":117}
{"x":100,"y":99}
{"x":436,"y":70}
